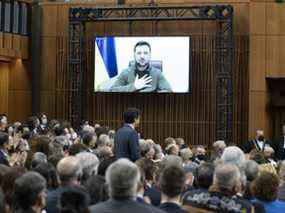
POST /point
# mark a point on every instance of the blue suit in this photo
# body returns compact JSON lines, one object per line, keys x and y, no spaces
{"x":127,"y":143}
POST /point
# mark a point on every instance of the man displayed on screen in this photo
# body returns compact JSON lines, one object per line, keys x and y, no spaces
{"x":142,"y":76}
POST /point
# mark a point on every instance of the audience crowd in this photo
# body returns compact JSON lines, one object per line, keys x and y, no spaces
{"x":48,"y":166}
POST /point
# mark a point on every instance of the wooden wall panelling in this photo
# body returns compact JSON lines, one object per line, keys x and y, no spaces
{"x":4,"y":86}
{"x":257,"y":69}
{"x":275,"y":54}
{"x":257,"y":18}
{"x":48,"y":63}
{"x":49,"y":20}
{"x":19,"y":105}
{"x":275,"y":18}
{"x":19,"y":90}
{"x":191,"y":116}
{"x":19,"y":75}
{"x":24,"y":47}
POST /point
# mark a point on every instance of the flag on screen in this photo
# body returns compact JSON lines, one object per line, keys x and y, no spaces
{"x":106,"y":46}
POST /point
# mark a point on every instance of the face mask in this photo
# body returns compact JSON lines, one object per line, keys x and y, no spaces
{"x":44,"y":121}
{"x":261,"y":138}
{"x":201,"y":157}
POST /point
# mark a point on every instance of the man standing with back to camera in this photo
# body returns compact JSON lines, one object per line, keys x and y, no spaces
{"x":126,"y":138}
{"x":142,"y":76}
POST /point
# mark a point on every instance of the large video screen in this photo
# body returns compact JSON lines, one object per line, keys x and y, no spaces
{"x":142,"y":64}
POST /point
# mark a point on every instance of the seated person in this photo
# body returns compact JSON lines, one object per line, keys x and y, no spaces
{"x":141,"y":77}
{"x":222,"y":195}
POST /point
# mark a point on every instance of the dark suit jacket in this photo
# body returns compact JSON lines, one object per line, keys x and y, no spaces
{"x":280,"y":151}
{"x":126,"y":206}
{"x":127,"y":143}
{"x":3,"y":159}
{"x":254,"y":145}
{"x":172,"y":208}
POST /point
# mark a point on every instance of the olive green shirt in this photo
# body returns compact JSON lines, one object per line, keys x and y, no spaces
{"x":125,"y":81}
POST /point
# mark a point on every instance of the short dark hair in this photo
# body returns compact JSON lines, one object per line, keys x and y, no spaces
{"x":27,"y":189}
{"x":4,"y":138}
{"x":97,"y":189}
{"x":77,"y":148}
{"x":205,"y":174}
{"x":130,"y":115}
{"x":172,"y":180}
{"x":268,"y":191}
{"x":48,"y":171}
{"x":87,"y":138}
{"x":142,"y":43}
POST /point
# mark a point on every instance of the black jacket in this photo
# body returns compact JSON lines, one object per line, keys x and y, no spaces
{"x":127,"y":143}
{"x":126,"y":206}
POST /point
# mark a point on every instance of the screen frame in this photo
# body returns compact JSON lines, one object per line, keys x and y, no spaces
{"x":152,"y":92}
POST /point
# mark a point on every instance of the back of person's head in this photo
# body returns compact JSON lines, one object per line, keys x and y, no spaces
{"x":3,"y":170}
{"x":4,"y":139}
{"x":103,"y":140}
{"x":168,"y":141}
{"x":227,"y":177}
{"x":89,"y":164}
{"x":42,"y":144}
{"x":8,"y":182}
{"x":33,"y":122}
{"x":104,"y":165}
{"x":130,"y":115}
{"x":251,"y":170}
{"x":259,"y":158}
{"x":38,"y":158}
{"x":74,"y":200}
{"x":97,"y":189}
{"x":77,"y":148}
{"x":55,"y":158}
{"x":147,"y":167}
{"x":58,"y":130}
{"x":48,"y":171}
{"x":29,"y":189}
{"x":170,"y":160}
{"x":69,"y":170}
{"x":88,"y":138}
{"x":234,"y":155}
{"x":172,"y":181}
{"x":205,"y":173}
{"x":101,"y":130}
{"x":265,"y":186}
{"x":122,"y":178}
{"x":186,"y":154}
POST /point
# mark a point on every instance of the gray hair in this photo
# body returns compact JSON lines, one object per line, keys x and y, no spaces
{"x":38,"y":158}
{"x":170,"y":160}
{"x":103,"y":140}
{"x":226,"y":176}
{"x":27,"y":189}
{"x":234,"y":155}
{"x":122,"y":178}
{"x":186,"y":154}
{"x":89,"y":164}
{"x":251,"y":169}
{"x":69,"y":169}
